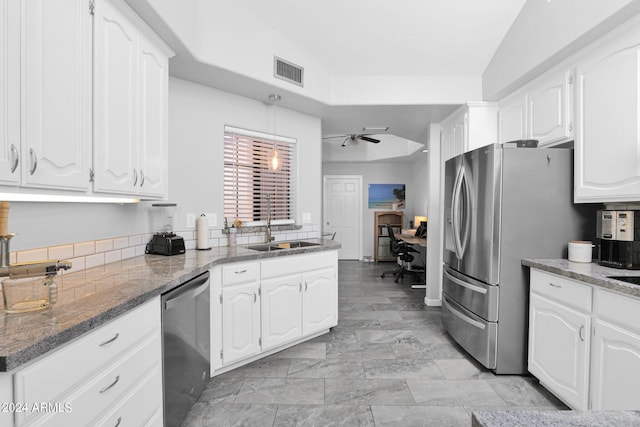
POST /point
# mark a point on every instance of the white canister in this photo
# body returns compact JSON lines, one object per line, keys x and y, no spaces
{"x":580,"y":251}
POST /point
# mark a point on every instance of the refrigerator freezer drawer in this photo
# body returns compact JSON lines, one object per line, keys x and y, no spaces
{"x":477,"y":336}
{"x":475,"y":296}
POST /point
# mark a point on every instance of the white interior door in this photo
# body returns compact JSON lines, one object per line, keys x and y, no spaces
{"x":343,"y":213}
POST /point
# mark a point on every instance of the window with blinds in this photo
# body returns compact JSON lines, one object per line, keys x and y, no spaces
{"x":248,"y":180}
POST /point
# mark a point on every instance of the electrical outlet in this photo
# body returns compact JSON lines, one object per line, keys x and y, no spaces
{"x":212,"y":218}
{"x":191,"y":220}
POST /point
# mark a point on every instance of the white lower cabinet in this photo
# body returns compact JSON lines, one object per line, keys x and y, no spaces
{"x":558,"y":349}
{"x":264,"y":306}
{"x":111,"y":374}
{"x":584,"y":343}
{"x":281,"y":310}
{"x":240,"y":322}
{"x":319,"y":301}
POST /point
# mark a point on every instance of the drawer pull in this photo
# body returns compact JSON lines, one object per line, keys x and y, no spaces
{"x":119,"y":421}
{"x":241,"y":271}
{"x":111,"y":385}
{"x":554,"y":285}
{"x":580,"y":331}
{"x":115,"y":337}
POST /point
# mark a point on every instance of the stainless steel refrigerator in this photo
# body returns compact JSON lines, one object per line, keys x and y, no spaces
{"x":502,"y":205}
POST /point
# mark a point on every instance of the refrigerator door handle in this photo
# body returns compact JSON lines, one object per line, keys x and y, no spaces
{"x":463,"y":237}
{"x":455,"y":212}
{"x":464,"y":284}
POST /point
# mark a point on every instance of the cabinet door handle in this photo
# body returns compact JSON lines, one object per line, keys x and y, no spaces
{"x":135,"y":177}
{"x":141,"y":178}
{"x":255,"y":297}
{"x":306,"y":286}
{"x":34,"y":161}
{"x":580,"y":331}
{"x":554,"y":285}
{"x":110,"y":385}
{"x":300,"y":286}
{"x":16,"y":158}
{"x":115,"y":337}
{"x":240,"y":271}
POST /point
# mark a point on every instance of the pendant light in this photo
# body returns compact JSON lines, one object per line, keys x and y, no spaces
{"x":273,"y":159}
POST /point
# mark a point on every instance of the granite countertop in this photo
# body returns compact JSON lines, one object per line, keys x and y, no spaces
{"x":591,"y":273}
{"x":555,"y":418}
{"x":90,"y":298}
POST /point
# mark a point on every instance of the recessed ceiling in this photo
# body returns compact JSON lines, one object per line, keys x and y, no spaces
{"x":400,"y":37}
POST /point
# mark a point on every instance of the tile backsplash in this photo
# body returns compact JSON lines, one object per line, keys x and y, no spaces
{"x":84,"y":255}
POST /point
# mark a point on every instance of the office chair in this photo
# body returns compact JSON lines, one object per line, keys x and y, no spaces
{"x":401,"y":250}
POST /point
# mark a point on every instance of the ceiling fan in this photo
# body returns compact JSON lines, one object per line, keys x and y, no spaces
{"x":354,"y":137}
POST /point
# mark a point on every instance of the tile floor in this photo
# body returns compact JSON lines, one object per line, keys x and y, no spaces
{"x":387,"y":363}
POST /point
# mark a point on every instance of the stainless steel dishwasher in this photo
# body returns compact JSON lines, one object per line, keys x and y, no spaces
{"x":185,"y":346}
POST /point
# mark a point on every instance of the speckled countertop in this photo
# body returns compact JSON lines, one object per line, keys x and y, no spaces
{"x":588,"y":272}
{"x":555,"y":418}
{"x":90,"y":298}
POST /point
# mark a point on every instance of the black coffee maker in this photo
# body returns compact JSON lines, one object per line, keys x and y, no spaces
{"x":618,"y":235}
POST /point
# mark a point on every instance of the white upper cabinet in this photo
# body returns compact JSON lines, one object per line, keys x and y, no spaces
{"x":130,"y":104}
{"x":512,"y":119}
{"x":550,"y":109}
{"x":83,"y":95}
{"x":45,"y":94}
{"x":10,"y":92}
{"x":471,"y":126}
{"x":542,"y":111}
{"x":153,"y":113}
{"x":56,"y":94}
{"x":607,"y":145}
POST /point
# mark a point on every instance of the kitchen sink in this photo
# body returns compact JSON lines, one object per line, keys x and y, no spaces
{"x":629,"y":279}
{"x":265,"y":247}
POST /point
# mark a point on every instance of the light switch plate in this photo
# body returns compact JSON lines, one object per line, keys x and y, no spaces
{"x":191,"y":220}
{"x":306,"y":217}
{"x":213,"y":219}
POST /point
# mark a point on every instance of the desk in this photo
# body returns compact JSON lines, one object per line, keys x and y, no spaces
{"x":410,"y":239}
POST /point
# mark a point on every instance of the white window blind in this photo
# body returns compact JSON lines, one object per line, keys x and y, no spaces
{"x":248,"y":180}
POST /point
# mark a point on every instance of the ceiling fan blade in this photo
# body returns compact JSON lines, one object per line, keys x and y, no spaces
{"x":344,"y":143}
{"x":368,"y":139}
{"x":334,"y":136}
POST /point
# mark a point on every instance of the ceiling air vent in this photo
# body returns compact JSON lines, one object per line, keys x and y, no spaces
{"x":287,"y":71}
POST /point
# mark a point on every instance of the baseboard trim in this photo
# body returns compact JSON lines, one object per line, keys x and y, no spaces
{"x":432,"y":302}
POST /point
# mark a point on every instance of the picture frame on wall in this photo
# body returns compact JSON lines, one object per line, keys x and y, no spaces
{"x":386,"y":196}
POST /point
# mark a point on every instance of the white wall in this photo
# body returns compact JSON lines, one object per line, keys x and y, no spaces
{"x":197,"y":116}
{"x":385,"y":173}
{"x":38,"y":225}
{"x":544,"y":33}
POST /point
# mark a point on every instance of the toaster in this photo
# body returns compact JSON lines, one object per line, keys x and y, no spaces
{"x":166,"y":243}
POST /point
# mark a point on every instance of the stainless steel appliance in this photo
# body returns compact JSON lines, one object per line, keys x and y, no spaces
{"x":502,"y":205}
{"x":185,"y":345}
{"x":618,"y":235}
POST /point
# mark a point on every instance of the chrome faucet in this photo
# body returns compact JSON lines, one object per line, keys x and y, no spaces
{"x":47,"y":268}
{"x":27,"y":269}
{"x":267,"y":234}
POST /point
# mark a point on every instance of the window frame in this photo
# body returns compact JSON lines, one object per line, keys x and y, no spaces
{"x":293,"y":175}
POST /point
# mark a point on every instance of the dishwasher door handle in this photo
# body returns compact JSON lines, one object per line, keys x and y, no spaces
{"x":196,"y":288}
